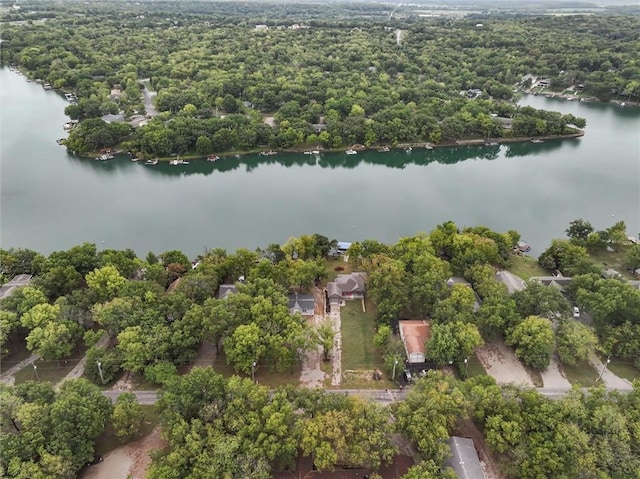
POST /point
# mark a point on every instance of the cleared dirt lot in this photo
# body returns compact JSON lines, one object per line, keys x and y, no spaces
{"x":132,"y":459}
{"x":501,"y":363}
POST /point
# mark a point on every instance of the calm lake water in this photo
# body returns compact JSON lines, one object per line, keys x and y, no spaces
{"x":51,"y":200}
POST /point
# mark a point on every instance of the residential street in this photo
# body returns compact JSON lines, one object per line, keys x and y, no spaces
{"x":381,"y":396}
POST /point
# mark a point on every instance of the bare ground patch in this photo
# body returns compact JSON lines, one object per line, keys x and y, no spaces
{"x":501,"y":363}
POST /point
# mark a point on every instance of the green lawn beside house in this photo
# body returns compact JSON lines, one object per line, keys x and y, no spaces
{"x":358,"y":329}
{"x":525,"y":267}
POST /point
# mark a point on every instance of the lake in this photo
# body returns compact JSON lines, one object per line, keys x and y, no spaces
{"x":51,"y":200}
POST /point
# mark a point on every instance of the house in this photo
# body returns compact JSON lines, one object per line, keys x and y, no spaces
{"x":460,"y":280}
{"x":226,"y":290}
{"x":343,"y":247}
{"x":414,"y":334}
{"x":305,"y":304}
{"x":506,"y":123}
{"x":347,"y":286}
{"x":464,"y":459}
{"x":262,"y":27}
{"x":7,"y":289}
{"x":112,"y":118}
{"x":473,"y":93}
{"x":545,"y":82}
{"x":611,"y":273}
{"x":318,"y":127}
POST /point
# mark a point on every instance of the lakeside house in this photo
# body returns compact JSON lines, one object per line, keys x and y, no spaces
{"x":347,"y":286}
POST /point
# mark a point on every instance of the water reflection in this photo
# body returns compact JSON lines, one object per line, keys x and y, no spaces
{"x":395,"y":159}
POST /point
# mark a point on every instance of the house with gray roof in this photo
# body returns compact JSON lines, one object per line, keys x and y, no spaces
{"x":347,"y":286}
{"x":305,"y":304}
{"x":464,"y":459}
{"x":18,"y":281}
{"x":226,"y":290}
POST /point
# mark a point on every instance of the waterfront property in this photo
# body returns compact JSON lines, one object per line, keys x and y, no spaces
{"x":347,"y":286}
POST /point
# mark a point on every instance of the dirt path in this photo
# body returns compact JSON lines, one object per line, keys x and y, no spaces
{"x":501,"y":363}
{"x":336,"y":353}
{"x":553,"y":377}
{"x":131,"y":460}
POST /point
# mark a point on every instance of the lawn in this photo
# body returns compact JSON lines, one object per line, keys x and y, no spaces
{"x":51,"y":371}
{"x":332,"y":264}
{"x":358,"y":329}
{"x":473,"y":368}
{"x":612,"y":259}
{"x":108,"y":441}
{"x":263,"y":375}
{"x":526,"y":267}
{"x":18,"y":352}
{"x":582,"y":373}
{"x":624,"y":369}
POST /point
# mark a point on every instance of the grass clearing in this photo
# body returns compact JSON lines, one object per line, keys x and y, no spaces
{"x":624,"y":369}
{"x":358,"y":329}
{"x":333,"y":263}
{"x":612,"y":259}
{"x":526,"y":267}
{"x":50,"y":371}
{"x":362,"y":379}
{"x":582,"y":374}
{"x":473,"y":368}
{"x":263,"y":374}
{"x":108,"y":441}
{"x":18,"y":352}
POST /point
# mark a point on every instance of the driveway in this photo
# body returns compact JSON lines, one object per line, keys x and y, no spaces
{"x":553,"y":377}
{"x":514,"y":283}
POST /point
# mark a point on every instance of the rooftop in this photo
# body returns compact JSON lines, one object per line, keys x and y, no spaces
{"x":464,"y":458}
{"x":414,"y":334}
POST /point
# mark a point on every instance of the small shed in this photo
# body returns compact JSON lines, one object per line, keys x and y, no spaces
{"x":464,"y":458}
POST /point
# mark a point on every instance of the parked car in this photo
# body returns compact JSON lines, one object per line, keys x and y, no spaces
{"x":576,"y":312}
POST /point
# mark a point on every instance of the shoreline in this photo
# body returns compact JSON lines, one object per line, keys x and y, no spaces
{"x":359,"y":148}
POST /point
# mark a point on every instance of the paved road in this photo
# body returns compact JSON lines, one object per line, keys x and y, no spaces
{"x":382,"y":396}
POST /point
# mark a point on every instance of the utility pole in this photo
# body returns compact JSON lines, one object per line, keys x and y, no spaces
{"x":253,"y":371}
{"x":35,"y":370}
{"x":395,"y":363}
{"x":100,"y":371}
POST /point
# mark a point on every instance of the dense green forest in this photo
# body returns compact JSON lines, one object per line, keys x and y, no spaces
{"x":155,"y":324}
{"x":267,"y":77}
